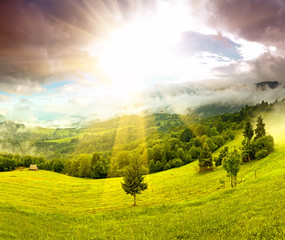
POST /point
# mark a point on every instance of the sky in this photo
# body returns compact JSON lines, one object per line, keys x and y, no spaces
{"x":69,"y":61}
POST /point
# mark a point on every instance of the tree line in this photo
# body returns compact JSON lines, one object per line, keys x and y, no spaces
{"x":159,"y":150}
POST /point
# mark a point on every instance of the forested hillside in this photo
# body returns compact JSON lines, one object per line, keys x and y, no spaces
{"x":104,"y":149}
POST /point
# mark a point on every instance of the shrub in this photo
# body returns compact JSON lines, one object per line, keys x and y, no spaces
{"x":176,"y":162}
{"x":211,"y":144}
{"x":219,"y":140}
{"x":261,"y":154}
{"x":187,"y":158}
{"x":167,"y":166}
{"x":195,"y":152}
{"x":264,"y":143}
{"x":231,"y":135}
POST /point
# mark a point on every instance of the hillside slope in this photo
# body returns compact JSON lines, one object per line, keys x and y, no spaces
{"x":179,"y":204}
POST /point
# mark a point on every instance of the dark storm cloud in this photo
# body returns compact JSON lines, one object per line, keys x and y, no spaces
{"x":253,"y":20}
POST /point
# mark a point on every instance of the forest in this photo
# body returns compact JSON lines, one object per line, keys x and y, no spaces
{"x":161,"y":141}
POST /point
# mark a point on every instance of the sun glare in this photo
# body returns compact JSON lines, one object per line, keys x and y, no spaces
{"x":137,"y":52}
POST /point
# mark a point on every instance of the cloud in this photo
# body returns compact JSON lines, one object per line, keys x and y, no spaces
{"x":44,"y":41}
{"x":179,"y":98}
{"x":254,"y":20}
{"x":267,"y":67}
{"x":37,"y":46}
{"x":4,"y":98}
{"x":47,"y":41}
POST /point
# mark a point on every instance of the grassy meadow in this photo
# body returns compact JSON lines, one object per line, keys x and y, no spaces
{"x":179,"y":204}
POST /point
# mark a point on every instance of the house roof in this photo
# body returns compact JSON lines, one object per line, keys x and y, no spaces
{"x":33,"y":166}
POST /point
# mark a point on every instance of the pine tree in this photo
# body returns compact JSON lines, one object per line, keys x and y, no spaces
{"x":260,"y":128}
{"x":134,"y":180}
{"x":248,"y":150}
{"x":248,"y":132}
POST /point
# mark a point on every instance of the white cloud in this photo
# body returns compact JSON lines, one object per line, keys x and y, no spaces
{"x":251,"y":50}
{"x":4,"y":98}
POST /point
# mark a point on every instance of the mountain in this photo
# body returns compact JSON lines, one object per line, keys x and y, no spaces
{"x":267,"y":84}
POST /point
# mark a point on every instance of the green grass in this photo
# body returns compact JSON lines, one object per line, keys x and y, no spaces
{"x":179,"y":204}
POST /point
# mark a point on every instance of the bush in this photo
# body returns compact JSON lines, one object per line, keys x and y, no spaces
{"x":195,"y":152}
{"x":176,"y":162}
{"x":187,"y":158}
{"x":261,"y":154}
{"x":211,"y":144}
{"x":219,"y":140}
{"x":264,"y":143}
{"x":167,"y":166}
{"x":231,"y":135}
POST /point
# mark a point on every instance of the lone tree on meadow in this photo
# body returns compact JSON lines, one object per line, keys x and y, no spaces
{"x":231,"y":164}
{"x":134,"y":179}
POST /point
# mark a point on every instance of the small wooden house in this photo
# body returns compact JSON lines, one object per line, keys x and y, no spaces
{"x":33,"y":167}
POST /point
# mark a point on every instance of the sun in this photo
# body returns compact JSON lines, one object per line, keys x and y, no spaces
{"x":135,"y":54}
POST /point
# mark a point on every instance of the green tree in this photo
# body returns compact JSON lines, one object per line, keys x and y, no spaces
{"x":57,"y":165}
{"x":222,"y":154}
{"x":248,"y":153}
{"x":219,"y":140}
{"x":264,"y":143}
{"x":230,"y":134}
{"x":166,"y":166}
{"x":186,"y":135}
{"x":205,"y":160}
{"x":211,"y":144}
{"x":181,"y":154}
{"x":248,"y":150}
{"x":196,"y":142}
{"x":98,"y":166}
{"x":151,"y":166}
{"x":84,"y":168}
{"x":74,"y":168}
{"x":199,"y":130}
{"x":248,"y":132}
{"x":176,"y":162}
{"x":214,"y":131}
{"x":195,"y":152}
{"x":134,"y":180}
{"x":260,"y":128}
{"x":231,"y":164}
